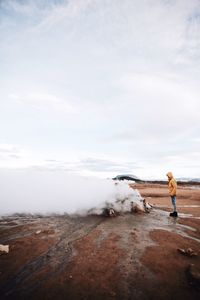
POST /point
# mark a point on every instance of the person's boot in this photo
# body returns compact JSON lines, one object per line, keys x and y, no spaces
{"x":174,"y":214}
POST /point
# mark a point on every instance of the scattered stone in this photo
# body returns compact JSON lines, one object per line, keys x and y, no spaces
{"x":45,"y":231}
{"x":135,"y":208}
{"x":70,"y":276}
{"x":113,"y":294}
{"x":38,"y":231}
{"x":147,"y":206}
{"x":133,"y":233}
{"x":193,"y":275}
{"x":188,"y":252}
{"x":109,"y":212}
{"x":48,"y":231}
{"x":4,"y":249}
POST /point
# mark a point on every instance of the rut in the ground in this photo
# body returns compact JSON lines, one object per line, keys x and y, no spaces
{"x":55,"y":259}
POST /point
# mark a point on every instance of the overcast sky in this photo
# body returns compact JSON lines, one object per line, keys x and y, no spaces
{"x":101,"y":87}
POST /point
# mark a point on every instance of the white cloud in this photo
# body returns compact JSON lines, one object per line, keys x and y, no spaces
{"x":15,"y":156}
{"x":161,"y":105}
{"x":9,"y":155}
{"x":7,"y":148}
{"x":100,"y":81}
{"x":45,"y":101}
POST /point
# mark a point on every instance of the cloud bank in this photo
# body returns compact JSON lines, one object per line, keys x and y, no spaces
{"x":114,"y":81}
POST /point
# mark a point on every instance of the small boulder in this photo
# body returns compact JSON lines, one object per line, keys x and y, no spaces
{"x":4,"y":249}
{"x":188,"y":252}
{"x":193,"y":275}
{"x":38,"y":231}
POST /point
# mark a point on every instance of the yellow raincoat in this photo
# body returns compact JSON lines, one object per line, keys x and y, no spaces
{"x":172,"y":184}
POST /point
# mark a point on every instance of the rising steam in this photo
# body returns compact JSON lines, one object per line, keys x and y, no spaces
{"x":45,"y":192}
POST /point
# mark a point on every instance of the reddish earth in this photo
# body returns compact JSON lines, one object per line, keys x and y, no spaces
{"x":132,"y":256}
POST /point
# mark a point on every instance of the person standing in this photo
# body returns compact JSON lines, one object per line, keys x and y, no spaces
{"x":172,"y":184}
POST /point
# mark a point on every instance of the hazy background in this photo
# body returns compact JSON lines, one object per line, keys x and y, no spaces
{"x":99,"y":87}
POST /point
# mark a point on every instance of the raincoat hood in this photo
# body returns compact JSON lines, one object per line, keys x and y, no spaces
{"x":170,"y":175}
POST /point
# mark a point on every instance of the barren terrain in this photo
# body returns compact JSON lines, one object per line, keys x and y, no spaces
{"x":132,"y":256}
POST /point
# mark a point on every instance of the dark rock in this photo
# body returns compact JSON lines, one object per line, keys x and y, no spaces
{"x":193,"y":275}
{"x":188,"y":252}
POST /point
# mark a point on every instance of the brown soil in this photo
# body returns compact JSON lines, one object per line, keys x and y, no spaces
{"x":132,"y":256}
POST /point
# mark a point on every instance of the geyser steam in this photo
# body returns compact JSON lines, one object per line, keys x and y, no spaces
{"x":31,"y":191}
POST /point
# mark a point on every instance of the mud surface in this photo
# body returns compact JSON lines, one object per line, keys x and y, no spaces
{"x":132,"y":256}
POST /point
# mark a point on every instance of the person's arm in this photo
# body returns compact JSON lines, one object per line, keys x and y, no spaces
{"x":174,"y":188}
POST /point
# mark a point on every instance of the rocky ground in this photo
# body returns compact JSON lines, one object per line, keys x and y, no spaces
{"x":132,"y":256}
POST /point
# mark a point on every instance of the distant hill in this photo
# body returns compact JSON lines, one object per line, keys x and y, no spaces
{"x":187,"y":179}
{"x":127,"y":177}
{"x":181,"y":180}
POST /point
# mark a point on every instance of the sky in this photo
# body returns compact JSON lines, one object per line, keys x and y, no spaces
{"x":99,"y":87}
